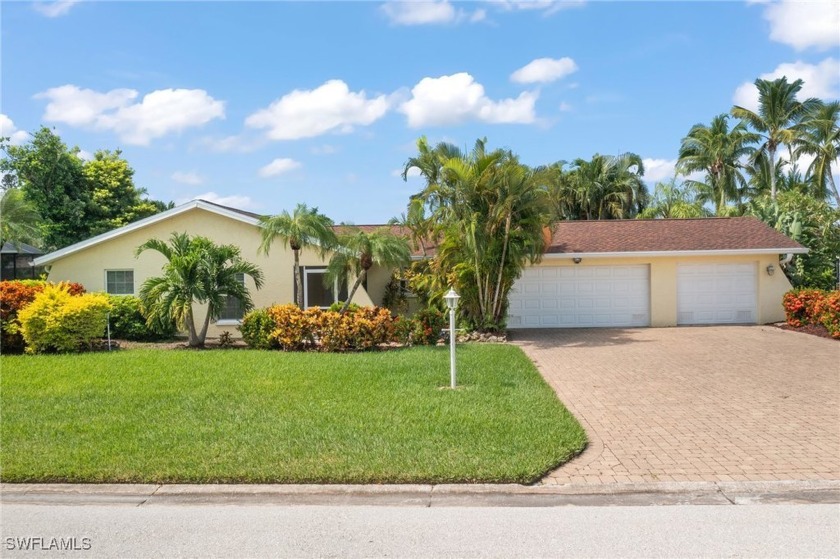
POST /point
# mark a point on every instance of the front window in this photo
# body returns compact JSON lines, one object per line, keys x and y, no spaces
{"x":233,"y":308}
{"x":119,"y":282}
{"x":315,"y":293}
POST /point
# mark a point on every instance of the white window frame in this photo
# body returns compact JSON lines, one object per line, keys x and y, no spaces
{"x":321,"y":272}
{"x":133,"y":290}
{"x":233,"y":321}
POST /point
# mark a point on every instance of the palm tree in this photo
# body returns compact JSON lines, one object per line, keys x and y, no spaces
{"x":197,"y":271}
{"x":19,"y":220}
{"x":303,"y":228}
{"x":358,"y":251}
{"x":720,"y":153}
{"x":606,"y":187}
{"x":673,"y":200}
{"x":779,"y":116}
{"x":821,"y":139}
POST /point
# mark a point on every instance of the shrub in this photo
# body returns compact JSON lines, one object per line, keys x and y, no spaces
{"x":257,"y":327}
{"x":428,"y":326}
{"x":129,"y":321}
{"x":799,"y":305}
{"x":292,"y":326}
{"x":14,"y":296}
{"x":827,"y":312}
{"x":58,"y":321}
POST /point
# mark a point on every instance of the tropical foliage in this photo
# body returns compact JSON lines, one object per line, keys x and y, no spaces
{"x":14,"y":296}
{"x":675,"y":200}
{"x":19,"y":220}
{"x":813,"y":306}
{"x":197,"y":271}
{"x":301,"y":229}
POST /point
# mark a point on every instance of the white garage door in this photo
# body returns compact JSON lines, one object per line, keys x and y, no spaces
{"x":581,"y":297}
{"x":716,"y":293}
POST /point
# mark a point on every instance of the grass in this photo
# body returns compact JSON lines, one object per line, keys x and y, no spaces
{"x":243,"y":416}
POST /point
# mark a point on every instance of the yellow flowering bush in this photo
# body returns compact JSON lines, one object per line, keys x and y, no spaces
{"x":57,"y":321}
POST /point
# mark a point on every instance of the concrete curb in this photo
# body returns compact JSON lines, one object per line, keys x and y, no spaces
{"x":424,"y":495}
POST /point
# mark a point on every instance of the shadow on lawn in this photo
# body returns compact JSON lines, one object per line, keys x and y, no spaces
{"x":577,"y":337}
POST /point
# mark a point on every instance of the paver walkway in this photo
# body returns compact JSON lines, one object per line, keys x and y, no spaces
{"x":720,"y":403}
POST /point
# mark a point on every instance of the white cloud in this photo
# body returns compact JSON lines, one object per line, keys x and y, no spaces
{"x":227,"y":144}
{"x":54,"y":9}
{"x":192,"y":178}
{"x":325,"y":149}
{"x":548,"y":7}
{"x":565,"y":107}
{"x":307,"y":113}
{"x":657,"y":170}
{"x":412,"y":173}
{"x":159,"y":113}
{"x":544,"y":70}
{"x":233,"y":200}
{"x":419,"y":13}
{"x":84,"y":155}
{"x":820,"y":80}
{"x":278,"y":167}
{"x":9,"y":130}
{"x":459,"y":98}
{"x":804,"y":25}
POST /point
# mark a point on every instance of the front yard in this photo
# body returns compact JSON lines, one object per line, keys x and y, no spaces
{"x":244,"y":416}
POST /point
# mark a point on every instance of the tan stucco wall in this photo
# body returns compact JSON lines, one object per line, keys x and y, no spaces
{"x":89,"y":265}
{"x":663,"y":282}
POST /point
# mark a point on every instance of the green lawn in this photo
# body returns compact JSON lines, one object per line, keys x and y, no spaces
{"x":243,"y":416}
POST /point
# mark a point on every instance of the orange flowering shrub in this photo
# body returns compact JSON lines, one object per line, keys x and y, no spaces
{"x":16,"y":295}
{"x":813,"y":306}
{"x":827,"y":311}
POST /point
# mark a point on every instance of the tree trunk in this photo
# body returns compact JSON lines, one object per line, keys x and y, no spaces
{"x":298,"y":281}
{"x":356,"y":285}
{"x":833,"y":186}
{"x":202,"y":336}
{"x":496,"y":305}
{"x":772,"y":151}
{"x":192,"y":339}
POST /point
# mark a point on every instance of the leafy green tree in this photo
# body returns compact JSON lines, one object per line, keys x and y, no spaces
{"x":19,"y":220}
{"x":604,"y":187}
{"x":197,"y":271}
{"x":358,"y":251}
{"x":811,"y":222}
{"x":720,"y":153}
{"x":490,"y":213}
{"x":779,"y":117}
{"x":51,"y":179}
{"x":674,"y":200}
{"x":303,"y":228}
{"x":820,"y":138}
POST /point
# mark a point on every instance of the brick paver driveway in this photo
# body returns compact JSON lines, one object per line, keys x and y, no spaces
{"x":717,"y":403}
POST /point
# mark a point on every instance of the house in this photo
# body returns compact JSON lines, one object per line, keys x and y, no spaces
{"x":595,"y":273}
{"x":660,"y":272}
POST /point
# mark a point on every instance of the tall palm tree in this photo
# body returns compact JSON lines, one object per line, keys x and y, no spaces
{"x":607,"y":187}
{"x":303,"y":228}
{"x":197,"y":271}
{"x":779,"y":117}
{"x":358,"y":251}
{"x":674,"y":200}
{"x":19,"y":220}
{"x":821,"y":139}
{"x":720,"y":153}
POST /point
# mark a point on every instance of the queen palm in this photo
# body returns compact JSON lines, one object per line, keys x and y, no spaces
{"x":607,"y":187}
{"x":720,"y":153}
{"x":19,"y":220}
{"x":779,"y":117}
{"x":359,"y":250}
{"x":820,"y":139}
{"x":303,"y":228}
{"x":197,"y":271}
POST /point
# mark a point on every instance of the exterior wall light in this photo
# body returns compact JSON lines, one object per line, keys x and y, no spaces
{"x":577,"y":259}
{"x":771,"y":270}
{"x":451,"y":299}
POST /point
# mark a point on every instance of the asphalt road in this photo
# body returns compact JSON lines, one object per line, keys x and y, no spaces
{"x":782,"y":530}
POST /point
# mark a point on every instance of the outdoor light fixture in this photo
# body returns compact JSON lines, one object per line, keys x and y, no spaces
{"x":577,"y":259}
{"x":451,"y":299}
{"x":771,"y":270}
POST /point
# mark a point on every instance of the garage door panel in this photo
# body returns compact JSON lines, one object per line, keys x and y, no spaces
{"x":716,"y":293}
{"x":581,"y":296}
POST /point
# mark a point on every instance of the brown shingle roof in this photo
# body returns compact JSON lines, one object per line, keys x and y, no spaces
{"x":397,"y":230}
{"x":665,"y":235}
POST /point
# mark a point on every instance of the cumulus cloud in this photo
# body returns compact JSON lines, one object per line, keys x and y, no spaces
{"x":231,"y":144}
{"x":548,"y":7}
{"x":237,"y":201}
{"x":803,"y":25}
{"x":157,"y":114}
{"x":661,"y":170}
{"x":820,"y":80}
{"x":459,"y":98}
{"x":412,"y":173}
{"x":54,"y":9}
{"x":84,"y":155}
{"x":278,"y":167}
{"x":428,"y":12}
{"x":9,"y":130}
{"x":332,"y":107}
{"x":544,"y":70}
{"x":192,"y":178}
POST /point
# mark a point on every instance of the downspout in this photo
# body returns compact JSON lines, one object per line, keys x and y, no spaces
{"x":786,"y":260}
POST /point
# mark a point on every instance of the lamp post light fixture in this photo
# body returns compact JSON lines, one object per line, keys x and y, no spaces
{"x":451,"y":299}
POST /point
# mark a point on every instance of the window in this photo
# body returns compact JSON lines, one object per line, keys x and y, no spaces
{"x":315,"y":293}
{"x":233,"y":308}
{"x":119,"y":282}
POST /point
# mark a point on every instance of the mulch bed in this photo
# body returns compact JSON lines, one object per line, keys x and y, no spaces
{"x":812,"y":329}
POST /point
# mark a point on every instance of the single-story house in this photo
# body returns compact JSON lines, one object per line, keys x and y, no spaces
{"x":594,"y":273}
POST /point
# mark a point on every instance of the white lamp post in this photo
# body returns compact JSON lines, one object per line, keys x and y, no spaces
{"x":451,"y":299}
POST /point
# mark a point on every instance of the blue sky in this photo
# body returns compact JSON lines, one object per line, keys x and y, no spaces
{"x":262,"y":105}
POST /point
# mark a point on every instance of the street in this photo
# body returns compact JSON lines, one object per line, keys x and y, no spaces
{"x":169,"y":530}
